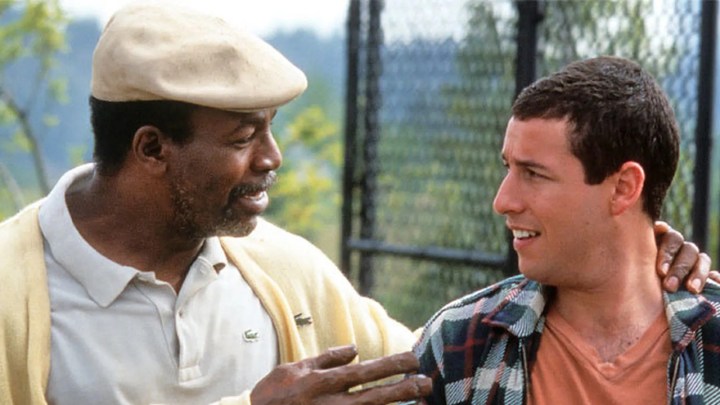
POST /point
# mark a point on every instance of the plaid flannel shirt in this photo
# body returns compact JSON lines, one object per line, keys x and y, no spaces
{"x":480,"y":349}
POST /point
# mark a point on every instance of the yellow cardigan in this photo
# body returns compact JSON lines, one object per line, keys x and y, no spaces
{"x":289,"y":275}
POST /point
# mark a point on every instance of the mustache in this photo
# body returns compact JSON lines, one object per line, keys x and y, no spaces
{"x":253,"y":188}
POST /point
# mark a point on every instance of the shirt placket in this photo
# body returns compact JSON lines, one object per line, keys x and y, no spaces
{"x":188,"y":353}
{"x":187,"y":311}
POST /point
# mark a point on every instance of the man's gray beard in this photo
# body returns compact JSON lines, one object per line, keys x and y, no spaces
{"x":193,"y":224}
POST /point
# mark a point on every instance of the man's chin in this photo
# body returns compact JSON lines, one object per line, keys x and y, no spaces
{"x":240,"y":229}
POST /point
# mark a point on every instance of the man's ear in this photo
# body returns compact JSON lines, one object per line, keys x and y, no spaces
{"x":150,"y":148}
{"x":628,"y":187}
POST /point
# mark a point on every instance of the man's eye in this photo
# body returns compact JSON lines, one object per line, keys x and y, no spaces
{"x":533,"y":174}
{"x":243,"y":141}
{"x":245,"y":136}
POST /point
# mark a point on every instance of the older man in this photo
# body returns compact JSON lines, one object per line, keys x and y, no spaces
{"x":148,"y":277}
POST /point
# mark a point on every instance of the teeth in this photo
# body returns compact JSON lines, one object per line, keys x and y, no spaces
{"x":520,"y":234}
{"x":255,"y":196}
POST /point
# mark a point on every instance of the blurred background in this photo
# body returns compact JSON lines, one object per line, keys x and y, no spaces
{"x":392,"y":155}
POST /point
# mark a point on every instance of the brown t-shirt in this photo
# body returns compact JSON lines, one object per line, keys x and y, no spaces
{"x":569,"y":371}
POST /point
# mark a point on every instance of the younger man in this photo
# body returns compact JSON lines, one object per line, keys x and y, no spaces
{"x":590,"y":152}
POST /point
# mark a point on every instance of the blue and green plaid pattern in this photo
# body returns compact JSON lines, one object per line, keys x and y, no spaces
{"x":480,"y":348}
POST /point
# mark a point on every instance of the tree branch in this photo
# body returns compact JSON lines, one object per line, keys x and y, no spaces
{"x":13,"y":188}
{"x":38,"y":161}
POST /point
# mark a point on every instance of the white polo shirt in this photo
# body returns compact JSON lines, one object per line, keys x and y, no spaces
{"x":120,"y":336}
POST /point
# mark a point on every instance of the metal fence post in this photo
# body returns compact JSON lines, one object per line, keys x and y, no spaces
{"x":370,"y":144}
{"x":703,"y":129}
{"x":351,"y":114}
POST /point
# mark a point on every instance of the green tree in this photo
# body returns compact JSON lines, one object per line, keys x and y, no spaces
{"x":306,"y":198}
{"x":29,"y":30}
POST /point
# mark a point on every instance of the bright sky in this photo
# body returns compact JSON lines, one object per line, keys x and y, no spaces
{"x":262,"y":17}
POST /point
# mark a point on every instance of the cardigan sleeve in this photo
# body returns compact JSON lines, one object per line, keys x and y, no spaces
{"x":24,"y":311}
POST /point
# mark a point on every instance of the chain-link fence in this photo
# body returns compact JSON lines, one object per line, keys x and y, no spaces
{"x":429,"y":93}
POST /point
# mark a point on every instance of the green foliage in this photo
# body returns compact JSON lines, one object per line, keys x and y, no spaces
{"x":34,"y":30}
{"x":306,"y":198}
{"x":20,"y":142}
{"x":58,"y":88}
{"x":7,"y":116}
{"x":77,"y":154}
{"x":51,"y":120}
{"x":37,"y":31}
{"x":313,"y":131}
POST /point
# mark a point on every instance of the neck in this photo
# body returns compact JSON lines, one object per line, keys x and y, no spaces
{"x":131,"y":231}
{"x":621,"y":299}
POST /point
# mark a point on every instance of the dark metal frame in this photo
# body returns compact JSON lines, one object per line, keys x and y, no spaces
{"x":703,"y":131}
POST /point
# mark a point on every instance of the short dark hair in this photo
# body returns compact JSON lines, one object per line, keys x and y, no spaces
{"x":617,"y":113}
{"x":115,"y":123}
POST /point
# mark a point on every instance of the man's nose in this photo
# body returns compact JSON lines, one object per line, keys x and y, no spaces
{"x":267,"y":155}
{"x":506,"y":199}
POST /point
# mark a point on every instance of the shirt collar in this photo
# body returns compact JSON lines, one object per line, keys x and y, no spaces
{"x":204,"y":270}
{"x":103,"y":279}
{"x":686,"y":313}
{"x":213,"y":254}
{"x":521,"y":309}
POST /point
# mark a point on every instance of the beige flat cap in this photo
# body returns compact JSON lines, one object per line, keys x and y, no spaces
{"x":159,"y":51}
